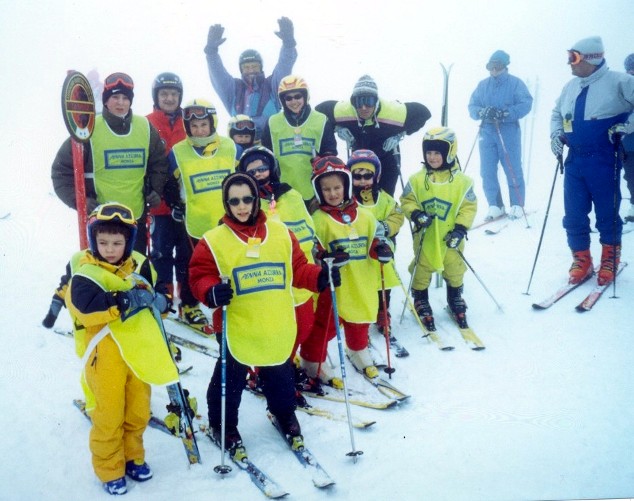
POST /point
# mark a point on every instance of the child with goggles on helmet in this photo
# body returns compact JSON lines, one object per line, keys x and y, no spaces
{"x":111,"y":294}
{"x":198,"y":165}
{"x":349,"y":235}
{"x":440,"y":202}
{"x":241,"y":130}
{"x":365,"y":168}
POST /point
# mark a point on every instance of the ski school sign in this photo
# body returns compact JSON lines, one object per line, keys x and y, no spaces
{"x":78,"y":106}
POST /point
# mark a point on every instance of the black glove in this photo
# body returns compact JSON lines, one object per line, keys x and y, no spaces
{"x":383,"y":252}
{"x":323,"y":282}
{"x":153,"y":199}
{"x":286,"y":32}
{"x":53,"y":312}
{"x":491,"y":113}
{"x":421,"y":219}
{"x":219,"y":295}
{"x":214,"y":38}
{"x":341,"y":257}
{"x":455,"y":236}
{"x":91,"y":205}
{"x":133,"y":299}
{"x":178,"y":213}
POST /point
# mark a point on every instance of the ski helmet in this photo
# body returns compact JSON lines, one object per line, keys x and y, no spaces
{"x":293,"y":83}
{"x":326,"y":166}
{"x":250,"y":56}
{"x":369,"y":161}
{"x":260,"y":153}
{"x":200,"y":108}
{"x":112,"y":217}
{"x":241,"y":124}
{"x":167,"y":80}
{"x":443,"y":140}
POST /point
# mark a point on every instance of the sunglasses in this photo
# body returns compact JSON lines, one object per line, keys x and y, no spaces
{"x":110,"y":212}
{"x":365,"y":177}
{"x":235,"y":201}
{"x":574,"y":57}
{"x":243,"y":125}
{"x":293,"y":97}
{"x":367,"y":101}
{"x":118,"y":78}
{"x":198,"y":112}
{"x":262,"y":168}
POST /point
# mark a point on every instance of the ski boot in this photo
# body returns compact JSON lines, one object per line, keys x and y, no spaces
{"x":292,"y":431}
{"x":193,"y":315}
{"x":423,"y":308}
{"x":362,"y":361}
{"x":326,"y":375}
{"x":233,"y":441}
{"x":138,"y":470}
{"x":581,"y":267}
{"x":457,"y":305}
{"x":610,"y":260}
{"x":116,"y":487}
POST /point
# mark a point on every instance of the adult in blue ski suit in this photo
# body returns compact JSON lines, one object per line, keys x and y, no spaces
{"x":252,"y":94}
{"x":590,"y":117}
{"x":628,"y":147}
{"x":500,"y":101}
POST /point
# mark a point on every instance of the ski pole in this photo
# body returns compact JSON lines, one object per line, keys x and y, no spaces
{"x":354,"y":452}
{"x":558,"y":167}
{"x":479,"y":279}
{"x":513,"y":178}
{"x":617,"y":179}
{"x":386,"y":319}
{"x":222,"y":468}
{"x":411,"y":280}
{"x":475,"y":141}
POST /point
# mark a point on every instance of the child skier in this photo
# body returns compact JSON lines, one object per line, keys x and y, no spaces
{"x":350,"y":236}
{"x":365,"y":168}
{"x":125,"y":350}
{"x":440,"y":201}
{"x":263,"y":260}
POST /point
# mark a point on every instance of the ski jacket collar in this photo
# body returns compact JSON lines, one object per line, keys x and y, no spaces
{"x":337,"y":213}
{"x":119,"y":125}
{"x":598,"y":73}
{"x":246,"y":231}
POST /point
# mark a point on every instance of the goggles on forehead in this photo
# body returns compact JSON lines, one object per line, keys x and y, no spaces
{"x":235,"y":201}
{"x":198,"y":112}
{"x":118,"y":79}
{"x":243,"y":125}
{"x":367,"y":101}
{"x":112,"y":212}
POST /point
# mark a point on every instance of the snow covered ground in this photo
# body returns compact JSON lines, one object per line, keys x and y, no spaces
{"x":543,"y":413}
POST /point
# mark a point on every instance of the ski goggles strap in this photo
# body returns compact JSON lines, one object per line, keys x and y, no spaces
{"x":198,"y":112}
{"x":117,"y":79}
{"x":110,"y":212}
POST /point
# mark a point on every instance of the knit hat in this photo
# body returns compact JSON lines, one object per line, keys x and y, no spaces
{"x":118,"y":83}
{"x":591,"y":49}
{"x":629,"y":63}
{"x":365,"y":86}
{"x":498,"y":57}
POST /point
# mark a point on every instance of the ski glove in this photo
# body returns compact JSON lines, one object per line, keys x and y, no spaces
{"x":492,"y":113}
{"x":133,"y":299}
{"x":322,"y":280}
{"x":341,"y":257}
{"x":421,"y":219}
{"x":91,"y":205}
{"x":345,"y":135}
{"x":557,"y":146}
{"x":391,"y":142}
{"x":382,"y":230}
{"x":455,"y":236}
{"x":384,"y":252}
{"x":178,"y":213}
{"x":153,"y":199}
{"x":286,"y":33}
{"x":616,"y":133}
{"x":219,"y":295}
{"x":214,"y":38}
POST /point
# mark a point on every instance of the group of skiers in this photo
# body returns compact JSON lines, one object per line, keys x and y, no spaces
{"x":269,"y":218}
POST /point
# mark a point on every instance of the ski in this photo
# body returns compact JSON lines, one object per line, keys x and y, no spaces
{"x":156,"y":423}
{"x":596,"y":293}
{"x":5,"y":216}
{"x":487,"y":221}
{"x":319,"y":411}
{"x":319,"y":476}
{"x":431,"y":335}
{"x":467,"y":333}
{"x":200,"y":348}
{"x":399,"y":350}
{"x":496,"y":230}
{"x":385,"y":388}
{"x":560,"y":293}
{"x":205,"y":331}
{"x":179,"y":405}
{"x":262,"y":481}
{"x":355,"y":397}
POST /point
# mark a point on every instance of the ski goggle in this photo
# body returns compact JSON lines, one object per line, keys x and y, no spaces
{"x":117,"y":79}
{"x":366,"y":177}
{"x":367,"y":101}
{"x":260,"y":169}
{"x":199,"y":112}
{"x":574,"y":57}
{"x":495,"y":66}
{"x":243,"y":125}
{"x":111,"y":212}
{"x":235,"y":201}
